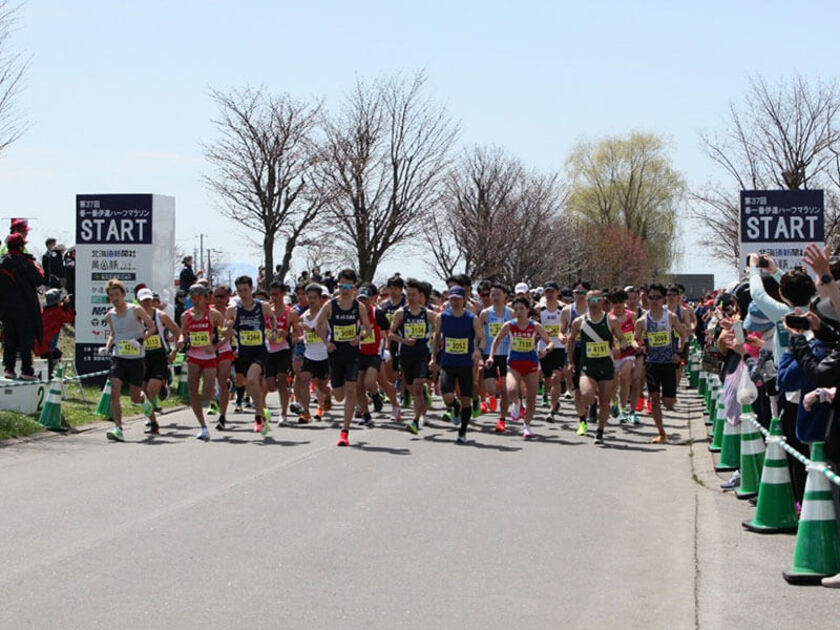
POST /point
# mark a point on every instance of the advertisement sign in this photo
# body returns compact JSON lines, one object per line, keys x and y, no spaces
{"x":128,"y":237}
{"x":780,"y":223}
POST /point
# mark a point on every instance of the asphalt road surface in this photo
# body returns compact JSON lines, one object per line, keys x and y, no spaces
{"x":398,"y":531}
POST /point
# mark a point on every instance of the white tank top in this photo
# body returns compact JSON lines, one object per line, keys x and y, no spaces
{"x":316,"y":349}
{"x":550,"y":320}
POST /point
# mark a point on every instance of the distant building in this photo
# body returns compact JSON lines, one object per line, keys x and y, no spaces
{"x":696,"y":284}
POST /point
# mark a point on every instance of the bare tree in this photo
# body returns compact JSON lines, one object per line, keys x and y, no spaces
{"x":387,"y":151}
{"x":264,"y":166}
{"x":13,"y":67}
{"x":783,"y":136}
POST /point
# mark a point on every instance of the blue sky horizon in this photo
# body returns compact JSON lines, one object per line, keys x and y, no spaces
{"x":118,"y":92}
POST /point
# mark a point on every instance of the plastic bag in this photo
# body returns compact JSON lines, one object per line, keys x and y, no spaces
{"x":747,"y":391}
{"x":730,"y":394}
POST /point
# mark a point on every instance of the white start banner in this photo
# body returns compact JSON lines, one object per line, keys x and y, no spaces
{"x":125,"y":236}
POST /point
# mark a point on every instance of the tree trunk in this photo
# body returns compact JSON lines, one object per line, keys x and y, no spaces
{"x":291,"y":242}
{"x":268,"y":250}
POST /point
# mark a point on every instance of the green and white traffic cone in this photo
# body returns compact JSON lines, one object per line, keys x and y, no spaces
{"x":817,"y":553}
{"x":710,"y":386}
{"x":752,"y":458}
{"x":717,"y":430}
{"x":713,"y":414}
{"x":694,"y":372}
{"x":730,"y":446}
{"x":701,"y":384}
{"x":103,"y":408}
{"x":51,"y":412}
{"x":775,"y":511}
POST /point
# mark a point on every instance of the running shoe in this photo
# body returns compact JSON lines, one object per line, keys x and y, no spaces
{"x":412,"y":427}
{"x":427,"y":397}
{"x":152,"y":428}
{"x":484,"y":407}
{"x":266,"y":422}
{"x":461,"y":439}
{"x":582,"y":428}
{"x":396,"y":414}
{"x":593,"y":412}
{"x":259,"y":424}
{"x":296,"y":407}
{"x":237,"y":409}
{"x":146,"y":407}
{"x":221,"y":425}
{"x":622,"y":417}
{"x":115,"y":435}
{"x":493,"y":404}
{"x":367,"y":420}
{"x":640,"y":404}
{"x":647,"y":407}
{"x":569,"y":394}
{"x":319,"y":414}
{"x":343,"y":439}
{"x":214,"y":408}
{"x":283,"y":419}
{"x":500,"y":427}
{"x":634,"y":418}
{"x":599,"y":437}
{"x":662,"y":438}
{"x":614,"y":409}
{"x":545,"y":399}
{"x":476,"y":407}
{"x":377,"y":402}
{"x":304,"y":418}
{"x":203,"y":435}
{"x":734,"y":481}
{"x":248,"y":404}
{"x":421,"y":421}
{"x":357,"y":413}
{"x":406,"y":400}
{"x":526,"y":432}
{"x":551,"y":418}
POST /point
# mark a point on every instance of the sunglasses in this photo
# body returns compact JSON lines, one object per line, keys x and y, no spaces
{"x":484,"y":295}
{"x":580,"y":292}
{"x":595,"y":300}
{"x":220,"y":296}
{"x":651,"y":296}
{"x":345,"y":285}
{"x":672,"y":294}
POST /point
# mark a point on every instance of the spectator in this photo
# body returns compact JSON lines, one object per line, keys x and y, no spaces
{"x":180,"y":304}
{"x":18,"y":226}
{"x":70,"y":274}
{"x":316,"y":275}
{"x":303,"y":279}
{"x":187,"y":276}
{"x":52,"y":262}
{"x":57,"y":312}
{"x":20,"y":278}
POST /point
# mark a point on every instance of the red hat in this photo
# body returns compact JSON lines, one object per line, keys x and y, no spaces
{"x":15,"y":240}
{"x":19,"y":225}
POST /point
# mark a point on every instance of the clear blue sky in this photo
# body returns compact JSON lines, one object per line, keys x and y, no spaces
{"x":117,"y":91}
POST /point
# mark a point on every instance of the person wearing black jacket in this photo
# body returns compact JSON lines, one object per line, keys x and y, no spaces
{"x":20,"y":307}
{"x":187,"y":278}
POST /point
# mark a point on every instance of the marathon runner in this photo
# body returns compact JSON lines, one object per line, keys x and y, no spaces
{"x":278,"y":366}
{"x":491,"y":320}
{"x":158,"y":355}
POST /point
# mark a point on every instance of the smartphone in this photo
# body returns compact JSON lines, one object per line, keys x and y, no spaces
{"x":797,"y":322}
{"x":738,"y":329}
{"x":763,"y":263}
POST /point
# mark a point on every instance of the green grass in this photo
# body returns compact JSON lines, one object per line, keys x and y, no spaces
{"x":74,"y":411}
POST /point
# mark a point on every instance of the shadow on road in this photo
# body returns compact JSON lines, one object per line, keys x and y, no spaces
{"x":365,"y":446}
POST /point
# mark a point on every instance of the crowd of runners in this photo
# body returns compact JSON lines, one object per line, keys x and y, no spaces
{"x":485,"y":350}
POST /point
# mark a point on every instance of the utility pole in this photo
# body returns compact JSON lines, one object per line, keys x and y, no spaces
{"x":201,"y":249}
{"x":209,"y":269}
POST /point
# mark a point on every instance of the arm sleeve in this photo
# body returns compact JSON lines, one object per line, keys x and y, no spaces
{"x":773,"y":309}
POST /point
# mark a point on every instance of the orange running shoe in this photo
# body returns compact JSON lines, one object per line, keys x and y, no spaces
{"x":319,"y":413}
{"x":493,"y":404}
{"x":343,"y":439}
{"x":640,"y":404}
{"x":500,"y":426}
{"x":647,"y":406}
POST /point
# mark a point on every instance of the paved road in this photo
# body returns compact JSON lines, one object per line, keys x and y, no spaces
{"x":397,"y":531}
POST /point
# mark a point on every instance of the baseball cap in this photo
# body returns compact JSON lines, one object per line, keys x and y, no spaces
{"x":52,"y":297}
{"x":147,"y":294}
{"x":552,"y":285}
{"x":364,"y":293}
{"x":15,"y":240}
{"x":457,"y":292}
{"x":521,"y":288}
{"x":18,"y":224}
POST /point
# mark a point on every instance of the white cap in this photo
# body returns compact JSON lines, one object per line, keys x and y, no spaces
{"x":145,"y":294}
{"x":287,"y":300}
{"x":521,"y":288}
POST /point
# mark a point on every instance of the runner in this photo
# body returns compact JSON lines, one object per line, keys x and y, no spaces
{"x":673,"y":299}
{"x":523,"y":359}
{"x":655,"y":330}
{"x":411,"y":328}
{"x":491,"y":320}
{"x":370,"y":352}
{"x":300,"y":306}
{"x":568,"y":315}
{"x":278,"y":367}
{"x":596,"y":332}
{"x":344,"y":314}
{"x":129,"y":327}
{"x":553,"y":362}
{"x":461,"y":337}
{"x":391,"y":365}
{"x":197,"y":327}
{"x":624,"y":360}
{"x":157,"y":353}
{"x":316,"y":365}
{"x":225,"y":354}
{"x":637,"y":381}
{"x":248,"y":323}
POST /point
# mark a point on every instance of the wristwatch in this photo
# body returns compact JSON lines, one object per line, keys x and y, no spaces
{"x":826,"y":278}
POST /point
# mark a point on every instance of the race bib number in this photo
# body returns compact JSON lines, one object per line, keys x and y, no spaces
{"x":199,"y":339}
{"x":553,"y":330}
{"x":389,"y":317}
{"x":416,"y":330}
{"x":371,"y":338}
{"x":251,"y":337}
{"x":153,"y":343}
{"x":125,"y":348}
{"x":659,"y":339}
{"x":494,"y":328}
{"x":628,"y":338}
{"x":456,"y":346}
{"x":310,"y":336}
{"x":344,"y":333}
{"x":522,"y":344}
{"x":597,"y":349}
